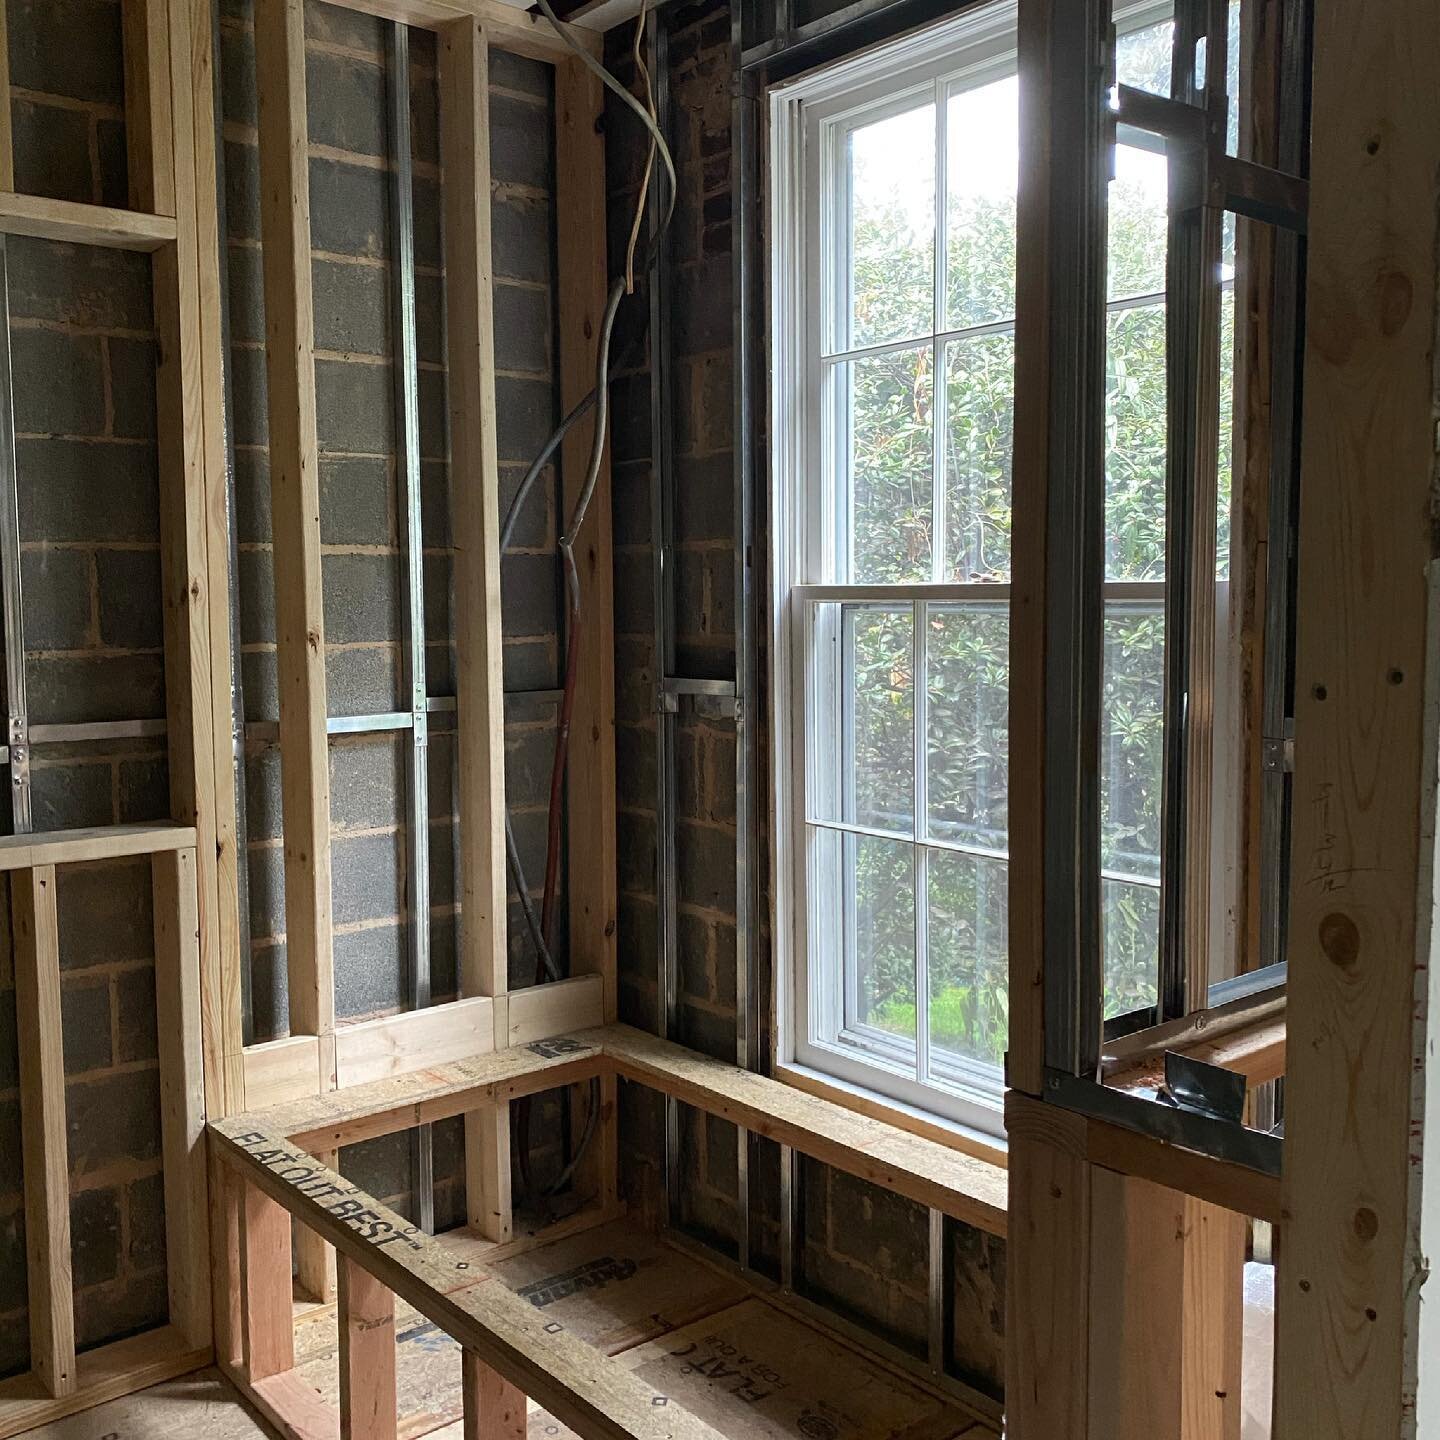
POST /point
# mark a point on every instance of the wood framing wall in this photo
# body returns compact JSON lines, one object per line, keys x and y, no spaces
{"x":62,"y":1382}
{"x":1107,"y":1229}
{"x":169,"y":88}
{"x":318,"y":1055}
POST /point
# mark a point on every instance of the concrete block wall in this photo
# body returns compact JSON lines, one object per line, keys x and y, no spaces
{"x":82,"y":338}
{"x":865,"y":1250}
{"x":363,"y":565}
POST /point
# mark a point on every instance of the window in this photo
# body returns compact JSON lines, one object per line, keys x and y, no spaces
{"x":893,"y":187}
{"x":894,"y":197}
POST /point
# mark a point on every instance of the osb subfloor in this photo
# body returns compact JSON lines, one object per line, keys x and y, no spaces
{"x":750,"y":1368}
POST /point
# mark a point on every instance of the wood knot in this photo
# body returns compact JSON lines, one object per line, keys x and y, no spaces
{"x":1340,"y":939}
{"x":1366,"y":1223}
{"x":1394,"y":299}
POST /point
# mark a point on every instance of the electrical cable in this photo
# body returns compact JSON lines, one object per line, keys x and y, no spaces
{"x":541,"y":928}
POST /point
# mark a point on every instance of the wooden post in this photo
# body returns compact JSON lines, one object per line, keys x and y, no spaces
{"x":1165,"y":1313}
{"x":465,"y":158}
{"x":494,"y":1408}
{"x":1355,"y":1346}
{"x":367,"y":1355}
{"x":266,"y":1324}
{"x":227,"y":1275}
{"x":295,"y":502}
{"x":182,"y":1091}
{"x":220,"y":955}
{"x":1125,"y":1307}
{"x":42,"y":1128}
{"x":295,"y":507}
{"x":1047,"y":1338}
{"x":590,"y":780}
{"x":160,"y":127}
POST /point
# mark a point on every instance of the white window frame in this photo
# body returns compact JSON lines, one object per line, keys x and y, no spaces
{"x":804,"y":114}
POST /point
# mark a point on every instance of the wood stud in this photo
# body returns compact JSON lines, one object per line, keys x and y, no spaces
{"x":42,"y":1128}
{"x":367,"y":1355}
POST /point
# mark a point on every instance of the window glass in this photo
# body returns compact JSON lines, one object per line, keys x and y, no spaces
{"x":979,"y":433}
{"x":1142,"y":57}
{"x":968,"y":945}
{"x":890,"y":256}
{"x":879,"y":888}
{"x":885,"y":424}
{"x":981,"y":170}
{"x":967,"y":723}
{"x":1132,"y":697}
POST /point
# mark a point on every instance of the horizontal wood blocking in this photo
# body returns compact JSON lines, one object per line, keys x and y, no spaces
{"x":46,"y":219}
{"x":280,"y":1071}
{"x":959,"y":1185}
{"x":398,"y":1044}
{"x":109,"y":842}
{"x":344,"y":1117}
{"x":578,"y":1385}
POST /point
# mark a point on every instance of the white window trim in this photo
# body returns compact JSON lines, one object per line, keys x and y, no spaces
{"x":971,"y":45}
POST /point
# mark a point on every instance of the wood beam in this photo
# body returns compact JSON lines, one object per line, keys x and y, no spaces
{"x":221,"y":959}
{"x":592,"y":867}
{"x":345,"y":1117}
{"x":583,"y":286}
{"x":963,"y":1187}
{"x":80,"y":224}
{"x":1166,"y":1313}
{"x":507,"y":27}
{"x":295,"y":524}
{"x":1047,"y":1269}
{"x":1354,"y":1350}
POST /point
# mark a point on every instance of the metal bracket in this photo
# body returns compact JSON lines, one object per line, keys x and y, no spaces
{"x":1277,"y":753}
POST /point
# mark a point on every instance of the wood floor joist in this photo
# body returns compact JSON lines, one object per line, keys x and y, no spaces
{"x":502,"y":1330}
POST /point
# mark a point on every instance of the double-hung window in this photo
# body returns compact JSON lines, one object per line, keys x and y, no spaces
{"x":892,"y":204}
{"x":893,"y":209}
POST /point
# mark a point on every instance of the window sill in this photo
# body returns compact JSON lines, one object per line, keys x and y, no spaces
{"x":979,"y":1146}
